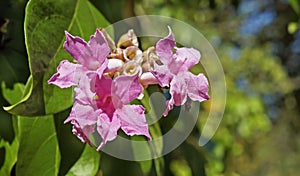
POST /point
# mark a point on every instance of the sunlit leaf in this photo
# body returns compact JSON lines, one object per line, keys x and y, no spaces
{"x":14,"y":95}
{"x":10,"y":159}
{"x":87,"y":164}
{"x":296,"y":5}
{"x":11,"y":150}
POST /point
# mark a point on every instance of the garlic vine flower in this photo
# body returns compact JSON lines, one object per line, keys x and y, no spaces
{"x":106,"y":78}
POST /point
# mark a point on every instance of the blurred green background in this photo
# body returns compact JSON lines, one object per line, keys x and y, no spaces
{"x":258,"y":43}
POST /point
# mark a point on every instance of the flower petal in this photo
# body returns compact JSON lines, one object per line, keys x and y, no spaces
{"x":107,"y":129}
{"x":169,"y":105}
{"x":178,"y":90}
{"x":83,"y":118}
{"x":83,"y":114}
{"x":162,"y":74}
{"x":133,"y":120}
{"x":68,"y":74}
{"x":91,"y":55}
{"x":103,"y":86}
{"x":113,"y":65}
{"x":164,"y":47}
{"x":126,"y":88}
{"x":74,"y":45}
{"x":148,"y":78}
{"x":82,"y":132}
{"x":103,"y":95}
{"x":197,"y":87}
{"x":96,"y":52}
{"x":184,"y":59}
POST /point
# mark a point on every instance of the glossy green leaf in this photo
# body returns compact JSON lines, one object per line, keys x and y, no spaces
{"x":39,"y":152}
{"x":11,"y":151}
{"x":45,"y":23}
{"x":87,"y":164}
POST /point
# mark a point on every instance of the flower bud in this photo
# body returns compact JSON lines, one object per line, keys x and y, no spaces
{"x":148,"y":78}
{"x":133,"y":53}
{"x":128,"y":39}
{"x":114,"y":64}
{"x":132,"y":68}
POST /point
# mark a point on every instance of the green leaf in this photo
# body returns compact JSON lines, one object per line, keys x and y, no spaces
{"x":39,"y":152}
{"x":10,"y":156}
{"x":87,"y":164}
{"x":45,"y":23}
{"x":14,"y":95}
{"x":142,"y":150}
{"x":155,"y":132}
{"x":11,"y":150}
{"x":295,"y":5}
{"x":13,"y":57}
{"x":12,"y":66}
{"x":194,"y":156}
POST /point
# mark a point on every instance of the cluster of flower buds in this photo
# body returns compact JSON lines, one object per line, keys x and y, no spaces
{"x":107,"y":77}
{"x":128,"y":59}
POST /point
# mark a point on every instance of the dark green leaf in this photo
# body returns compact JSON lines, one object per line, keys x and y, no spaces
{"x":39,"y":152}
{"x":13,"y":57}
{"x":12,"y":66}
{"x":194,"y":156}
{"x":142,"y":150}
{"x":45,"y":23}
{"x":87,"y":164}
{"x":155,"y":131}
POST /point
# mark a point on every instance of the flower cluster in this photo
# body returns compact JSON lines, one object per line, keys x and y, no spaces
{"x":107,"y":77}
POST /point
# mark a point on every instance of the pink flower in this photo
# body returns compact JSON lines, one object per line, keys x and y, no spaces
{"x":91,"y":56}
{"x":105,"y":87}
{"x":101,"y":104}
{"x":113,"y":96}
{"x":174,"y":73}
{"x":92,"y":60}
{"x":84,"y":113}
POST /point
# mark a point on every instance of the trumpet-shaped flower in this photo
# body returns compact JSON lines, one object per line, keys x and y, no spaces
{"x":112,"y":97}
{"x":174,"y":73}
{"x":105,"y":87}
{"x":101,"y":104}
{"x":91,"y":57}
{"x":107,"y":108}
